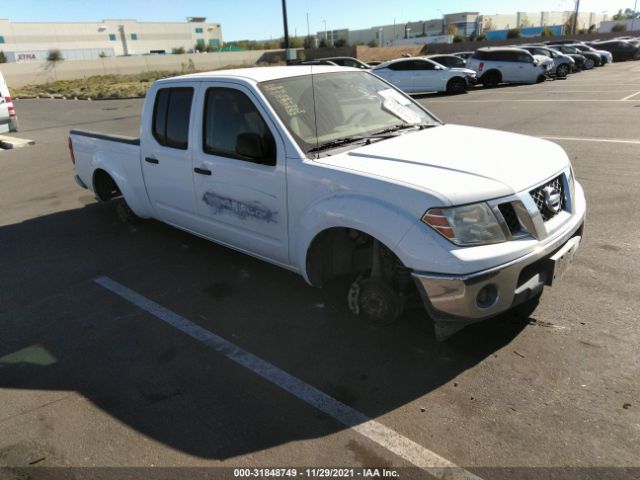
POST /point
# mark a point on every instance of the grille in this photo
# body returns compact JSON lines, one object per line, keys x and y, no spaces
{"x":509,"y":214}
{"x":538,"y":195}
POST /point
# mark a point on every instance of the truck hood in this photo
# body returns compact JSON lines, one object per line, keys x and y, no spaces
{"x":457,"y":164}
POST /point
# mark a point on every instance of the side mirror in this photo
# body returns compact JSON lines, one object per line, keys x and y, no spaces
{"x":250,"y":145}
{"x":438,"y":67}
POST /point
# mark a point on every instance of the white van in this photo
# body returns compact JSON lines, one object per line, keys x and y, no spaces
{"x":8,"y":117}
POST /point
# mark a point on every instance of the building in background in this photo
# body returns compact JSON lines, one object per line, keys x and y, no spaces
{"x":31,"y":41}
{"x":465,"y":24}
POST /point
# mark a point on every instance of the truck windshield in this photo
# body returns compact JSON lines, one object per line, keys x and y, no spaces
{"x":341,"y":106}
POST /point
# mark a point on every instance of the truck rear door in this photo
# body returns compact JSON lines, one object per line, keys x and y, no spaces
{"x":240,"y":172}
{"x":166,"y":156}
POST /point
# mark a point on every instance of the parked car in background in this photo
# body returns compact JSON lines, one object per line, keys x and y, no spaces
{"x":8,"y":117}
{"x":347,"y":62}
{"x":317,"y":62}
{"x":449,"y":61}
{"x":563,"y":64}
{"x":605,"y":56}
{"x":619,"y":49}
{"x":507,"y":65}
{"x":420,"y":74}
{"x":464,"y":55}
{"x":373,"y":63}
{"x":591,"y":59}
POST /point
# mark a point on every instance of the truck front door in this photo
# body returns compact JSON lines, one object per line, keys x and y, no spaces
{"x":240,"y":172}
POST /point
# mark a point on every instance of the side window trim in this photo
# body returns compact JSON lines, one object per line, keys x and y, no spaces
{"x":225,"y":153}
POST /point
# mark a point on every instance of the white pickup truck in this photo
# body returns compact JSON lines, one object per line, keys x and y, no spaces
{"x":333,"y":172}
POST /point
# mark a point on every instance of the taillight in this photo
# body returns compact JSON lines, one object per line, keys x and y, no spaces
{"x":481,"y":66}
{"x":73,"y":157}
{"x":11,"y":108}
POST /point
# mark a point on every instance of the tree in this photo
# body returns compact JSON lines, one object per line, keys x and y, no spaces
{"x":619,"y":27}
{"x":372,"y":44}
{"x":340,"y":42}
{"x":3,"y":58}
{"x":199,"y":47}
{"x":458,"y":38}
{"x":324,"y":43}
{"x":54,"y":56}
{"x":547,"y":32}
{"x":619,"y":15}
{"x":452,"y":29}
{"x":177,"y":51}
{"x":308,"y":42}
{"x":513,"y":33}
{"x":481,"y":38}
{"x":489,"y":26}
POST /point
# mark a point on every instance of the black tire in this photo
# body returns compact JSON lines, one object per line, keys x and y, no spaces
{"x":125,"y":214}
{"x":456,"y":85}
{"x":491,"y":79}
{"x":379,"y":302}
{"x":589,"y":64}
{"x":563,"y":70}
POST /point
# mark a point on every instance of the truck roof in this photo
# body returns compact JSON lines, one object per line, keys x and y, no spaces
{"x":262,"y":74}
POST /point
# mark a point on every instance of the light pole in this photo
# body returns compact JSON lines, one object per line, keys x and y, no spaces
{"x":325,"y":30}
{"x":575,"y":17}
{"x":394,"y":31}
{"x":635,"y":13}
{"x":380,"y":30}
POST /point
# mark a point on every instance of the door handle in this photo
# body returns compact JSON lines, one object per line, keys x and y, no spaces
{"x":151,"y":160}
{"x":202,"y":171}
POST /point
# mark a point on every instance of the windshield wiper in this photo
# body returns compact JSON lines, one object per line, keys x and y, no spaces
{"x":336,"y":143}
{"x":382,"y":134}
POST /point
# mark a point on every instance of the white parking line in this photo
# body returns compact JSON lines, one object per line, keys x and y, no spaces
{"x":630,"y":96}
{"x":602,"y":140}
{"x":403,"y":447}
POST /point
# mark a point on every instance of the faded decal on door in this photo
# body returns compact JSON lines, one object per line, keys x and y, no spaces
{"x":239,"y":208}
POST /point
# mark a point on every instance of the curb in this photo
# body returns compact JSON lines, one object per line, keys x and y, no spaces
{"x":9,"y":143}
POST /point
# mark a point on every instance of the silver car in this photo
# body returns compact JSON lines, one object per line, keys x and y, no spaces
{"x":563,"y":64}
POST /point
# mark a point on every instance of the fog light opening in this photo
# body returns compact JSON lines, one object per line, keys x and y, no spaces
{"x":487,"y":296}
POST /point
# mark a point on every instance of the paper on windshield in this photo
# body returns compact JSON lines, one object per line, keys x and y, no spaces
{"x":397,"y":104}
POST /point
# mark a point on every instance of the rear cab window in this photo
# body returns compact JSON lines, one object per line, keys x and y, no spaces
{"x":171,"y":115}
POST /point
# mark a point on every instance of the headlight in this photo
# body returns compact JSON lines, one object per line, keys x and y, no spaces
{"x":469,"y":225}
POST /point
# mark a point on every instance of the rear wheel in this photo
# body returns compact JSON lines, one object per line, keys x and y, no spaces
{"x":125,"y":214}
{"x":456,"y":85}
{"x":491,"y":79}
{"x":589,"y":64}
{"x":562,"y":70}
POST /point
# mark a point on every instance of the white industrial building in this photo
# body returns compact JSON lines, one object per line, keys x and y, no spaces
{"x":462,"y":23}
{"x":31,"y":41}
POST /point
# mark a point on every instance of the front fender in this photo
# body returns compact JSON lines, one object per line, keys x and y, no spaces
{"x":383,"y":221}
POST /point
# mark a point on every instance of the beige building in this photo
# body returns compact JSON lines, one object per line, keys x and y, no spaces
{"x":30,"y":41}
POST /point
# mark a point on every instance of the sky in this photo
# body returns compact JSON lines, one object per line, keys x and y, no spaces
{"x":262,"y":19}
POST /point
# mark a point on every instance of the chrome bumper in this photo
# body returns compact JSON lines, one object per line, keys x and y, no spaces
{"x":452,"y":300}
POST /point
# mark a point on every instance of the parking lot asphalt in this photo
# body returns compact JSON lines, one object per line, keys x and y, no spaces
{"x":90,"y":379}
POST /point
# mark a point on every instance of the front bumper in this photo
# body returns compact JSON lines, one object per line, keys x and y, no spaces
{"x":452,"y":300}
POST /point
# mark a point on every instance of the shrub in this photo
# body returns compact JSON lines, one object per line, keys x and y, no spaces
{"x":3,"y":58}
{"x":372,"y":44}
{"x":513,"y":33}
{"x":177,"y":51}
{"x":458,"y":38}
{"x":341,"y":42}
{"x":547,"y":32}
{"x":481,"y":38}
{"x":619,"y":27}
